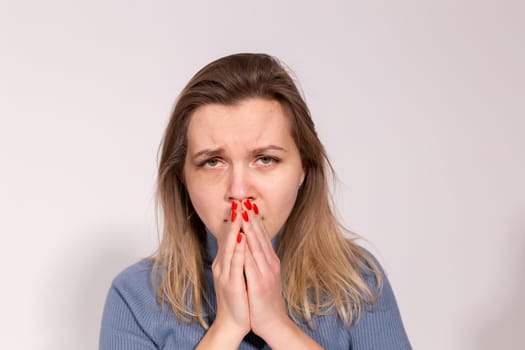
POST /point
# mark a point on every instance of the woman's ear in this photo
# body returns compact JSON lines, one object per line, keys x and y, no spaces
{"x":302,"y":178}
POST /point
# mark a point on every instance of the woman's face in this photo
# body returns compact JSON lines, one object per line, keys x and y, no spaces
{"x":238,"y":152}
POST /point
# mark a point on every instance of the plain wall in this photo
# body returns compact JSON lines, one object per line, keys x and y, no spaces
{"x":420,"y":105}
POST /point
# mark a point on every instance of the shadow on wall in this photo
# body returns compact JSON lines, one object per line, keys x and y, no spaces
{"x":72,"y":302}
{"x":506,"y":327}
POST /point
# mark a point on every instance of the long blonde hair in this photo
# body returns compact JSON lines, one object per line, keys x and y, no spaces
{"x":322,"y":270}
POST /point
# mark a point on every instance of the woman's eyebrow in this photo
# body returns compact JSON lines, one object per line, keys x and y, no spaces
{"x":264,"y":149}
{"x":216,"y":152}
{"x":209,"y":153}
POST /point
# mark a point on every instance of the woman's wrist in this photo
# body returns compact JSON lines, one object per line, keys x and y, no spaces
{"x":287,"y":335}
{"x":218,"y":337}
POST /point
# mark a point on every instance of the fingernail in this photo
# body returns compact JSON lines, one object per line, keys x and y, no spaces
{"x":234,"y":215}
{"x":234,"y":205}
{"x":245,"y":216}
{"x":248,"y":204}
{"x":239,"y":238}
{"x":255,"y":209}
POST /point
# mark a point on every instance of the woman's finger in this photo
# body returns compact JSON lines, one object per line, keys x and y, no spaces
{"x":257,"y":223}
{"x":237,"y":260}
{"x":250,"y":267}
{"x":227,"y":244}
{"x":258,"y":243}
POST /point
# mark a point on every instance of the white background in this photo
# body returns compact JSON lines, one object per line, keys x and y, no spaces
{"x":420,"y":104}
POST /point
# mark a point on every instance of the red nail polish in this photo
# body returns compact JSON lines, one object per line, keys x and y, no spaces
{"x":255,"y":209}
{"x":248,"y":204}
{"x":234,"y":205}
{"x":234,"y":215}
{"x":245,"y":216}
{"x":239,"y":238}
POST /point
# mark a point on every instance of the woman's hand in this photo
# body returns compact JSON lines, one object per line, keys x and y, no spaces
{"x":232,"y":321}
{"x":268,"y":316}
{"x":263,"y":276}
{"x":254,"y":303}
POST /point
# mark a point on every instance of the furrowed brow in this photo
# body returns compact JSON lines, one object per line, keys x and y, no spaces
{"x":265,"y":149}
{"x":208,"y":153}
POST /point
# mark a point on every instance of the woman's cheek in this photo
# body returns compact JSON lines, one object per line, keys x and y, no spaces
{"x":288,"y":203}
{"x":200,"y":200}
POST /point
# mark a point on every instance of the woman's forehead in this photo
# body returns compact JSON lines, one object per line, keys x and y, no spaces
{"x":250,"y":123}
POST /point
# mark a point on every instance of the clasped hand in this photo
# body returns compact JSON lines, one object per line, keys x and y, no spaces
{"x":247,"y":277}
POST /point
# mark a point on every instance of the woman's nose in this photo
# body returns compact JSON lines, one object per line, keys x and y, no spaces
{"x":240,"y":185}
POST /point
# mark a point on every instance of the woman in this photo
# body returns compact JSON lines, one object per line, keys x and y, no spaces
{"x":251,"y":255}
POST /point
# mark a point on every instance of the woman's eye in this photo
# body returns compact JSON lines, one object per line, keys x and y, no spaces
{"x":266,"y":160}
{"x":210,"y":163}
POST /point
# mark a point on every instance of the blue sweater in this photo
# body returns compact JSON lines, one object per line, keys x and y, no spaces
{"x":134,"y":320}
